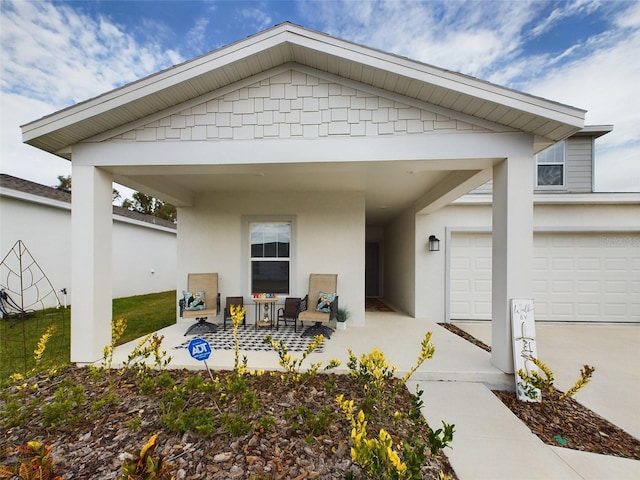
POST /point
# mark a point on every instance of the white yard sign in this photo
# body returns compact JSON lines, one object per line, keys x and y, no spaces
{"x":523,"y":329}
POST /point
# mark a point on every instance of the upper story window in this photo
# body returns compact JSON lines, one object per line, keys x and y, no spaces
{"x":270,"y":257}
{"x":550,"y":166}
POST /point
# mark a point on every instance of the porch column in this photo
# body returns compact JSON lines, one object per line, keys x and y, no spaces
{"x":91,"y":284}
{"x":512,"y":250}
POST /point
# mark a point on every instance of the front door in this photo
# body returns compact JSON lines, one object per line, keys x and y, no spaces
{"x":372,"y":269}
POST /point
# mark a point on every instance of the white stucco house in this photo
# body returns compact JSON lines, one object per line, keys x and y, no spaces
{"x":292,"y":152}
{"x":144,"y":248}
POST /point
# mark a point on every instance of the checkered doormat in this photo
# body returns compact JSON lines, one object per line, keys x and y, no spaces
{"x":252,"y":340}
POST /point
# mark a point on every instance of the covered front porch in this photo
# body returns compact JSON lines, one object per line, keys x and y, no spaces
{"x":395,"y":333}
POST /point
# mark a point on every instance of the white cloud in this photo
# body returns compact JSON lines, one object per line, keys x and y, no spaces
{"x":196,"y":36}
{"x":22,"y":160}
{"x":259,"y":18}
{"x":69,"y":56}
{"x":489,"y":40}
{"x":605,"y":83}
{"x":467,"y":37}
{"x":54,"y":56}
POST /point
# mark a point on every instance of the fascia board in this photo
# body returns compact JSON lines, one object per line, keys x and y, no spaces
{"x":148,"y":86}
{"x":446,"y":79}
{"x":31,"y":198}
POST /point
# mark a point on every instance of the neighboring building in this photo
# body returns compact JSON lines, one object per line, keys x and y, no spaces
{"x":292,"y":152}
{"x":586,"y":250}
{"x":144,"y":247}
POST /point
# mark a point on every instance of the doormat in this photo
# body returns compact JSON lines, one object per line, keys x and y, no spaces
{"x":253,"y":340}
{"x":376,"y":305}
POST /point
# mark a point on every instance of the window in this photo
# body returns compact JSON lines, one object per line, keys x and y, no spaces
{"x":270,"y":256}
{"x":550,"y":166}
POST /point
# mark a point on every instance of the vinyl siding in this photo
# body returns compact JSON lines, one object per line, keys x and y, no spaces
{"x":579,"y":165}
{"x":578,"y":169}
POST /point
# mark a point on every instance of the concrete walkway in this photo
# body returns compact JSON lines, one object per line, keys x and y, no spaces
{"x":489,"y":441}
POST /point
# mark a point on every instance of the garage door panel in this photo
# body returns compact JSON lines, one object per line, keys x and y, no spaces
{"x":562,"y":309}
{"x":588,"y":286}
{"x":459,"y":285}
{"x":483,"y":265}
{"x":615,"y":287}
{"x":539,"y":287}
{"x":563,"y":264}
{"x":576,"y":276}
{"x":591,"y":310}
{"x":616,"y":265}
{"x":589,"y":264}
{"x":461,"y":264}
{"x":562,"y":286}
{"x":483,"y":308}
{"x":462,"y":308}
{"x":540,"y":264}
{"x":615,"y":309}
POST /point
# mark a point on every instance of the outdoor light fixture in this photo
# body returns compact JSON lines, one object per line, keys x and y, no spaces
{"x":434,"y":243}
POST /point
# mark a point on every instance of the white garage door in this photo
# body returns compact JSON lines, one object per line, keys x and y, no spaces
{"x":576,"y":276}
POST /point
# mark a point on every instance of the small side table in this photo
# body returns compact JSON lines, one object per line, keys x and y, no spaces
{"x":269,"y":316}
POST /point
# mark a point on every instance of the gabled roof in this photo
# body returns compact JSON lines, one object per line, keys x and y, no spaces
{"x":21,"y":185}
{"x":287,"y":43}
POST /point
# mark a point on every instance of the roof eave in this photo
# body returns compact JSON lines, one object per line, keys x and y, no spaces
{"x":55,"y":133}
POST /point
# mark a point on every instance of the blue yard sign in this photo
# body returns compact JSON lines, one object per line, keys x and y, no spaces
{"x":199,"y":349}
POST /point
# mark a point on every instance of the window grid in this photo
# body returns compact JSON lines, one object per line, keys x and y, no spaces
{"x":550,"y":167}
{"x":270,"y":257}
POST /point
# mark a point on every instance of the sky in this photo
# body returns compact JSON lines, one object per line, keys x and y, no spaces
{"x":583,"y":53}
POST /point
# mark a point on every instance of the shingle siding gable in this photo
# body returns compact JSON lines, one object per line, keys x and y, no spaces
{"x":295,"y":104}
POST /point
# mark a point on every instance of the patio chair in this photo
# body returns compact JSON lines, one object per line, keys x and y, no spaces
{"x":320,"y":305}
{"x":289,"y":313}
{"x":239,"y":302}
{"x":200,"y":301}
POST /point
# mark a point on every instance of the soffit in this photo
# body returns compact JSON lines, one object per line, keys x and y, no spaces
{"x":287,"y":43}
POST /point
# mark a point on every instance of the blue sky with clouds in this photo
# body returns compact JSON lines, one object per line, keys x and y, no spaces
{"x":583,"y":53}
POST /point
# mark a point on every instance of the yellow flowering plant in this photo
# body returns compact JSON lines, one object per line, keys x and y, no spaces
{"x":292,"y":364}
{"x":237,"y":316}
{"x":544,"y":383}
{"x":148,"y":346}
{"x":374,"y":373}
{"x":376,"y":455}
{"x":42,"y":344}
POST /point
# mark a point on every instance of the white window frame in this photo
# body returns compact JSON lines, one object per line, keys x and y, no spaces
{"x":542,"y":160}
{"x":247,"y":259}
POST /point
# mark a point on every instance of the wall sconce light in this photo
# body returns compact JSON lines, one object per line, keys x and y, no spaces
{"x":434,"y":243}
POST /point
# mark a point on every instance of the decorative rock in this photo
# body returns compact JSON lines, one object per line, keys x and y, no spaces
{"x":223,"y":457}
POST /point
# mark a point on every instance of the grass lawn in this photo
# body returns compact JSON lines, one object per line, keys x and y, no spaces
{"x":144,"y":314}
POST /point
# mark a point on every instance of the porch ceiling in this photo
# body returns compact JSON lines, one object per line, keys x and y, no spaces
{"x":389,"y":187}
{"x":548,"y":121}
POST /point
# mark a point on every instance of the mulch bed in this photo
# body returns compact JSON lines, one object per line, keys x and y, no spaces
{"x":461,"y":333}
{"x":564,"y":423}
{"x":296,"y":430}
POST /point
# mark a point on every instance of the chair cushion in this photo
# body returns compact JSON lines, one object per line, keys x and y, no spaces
{"x":324,"y":302}
{"x":310,"y":316}
{"x":193,"y":300}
